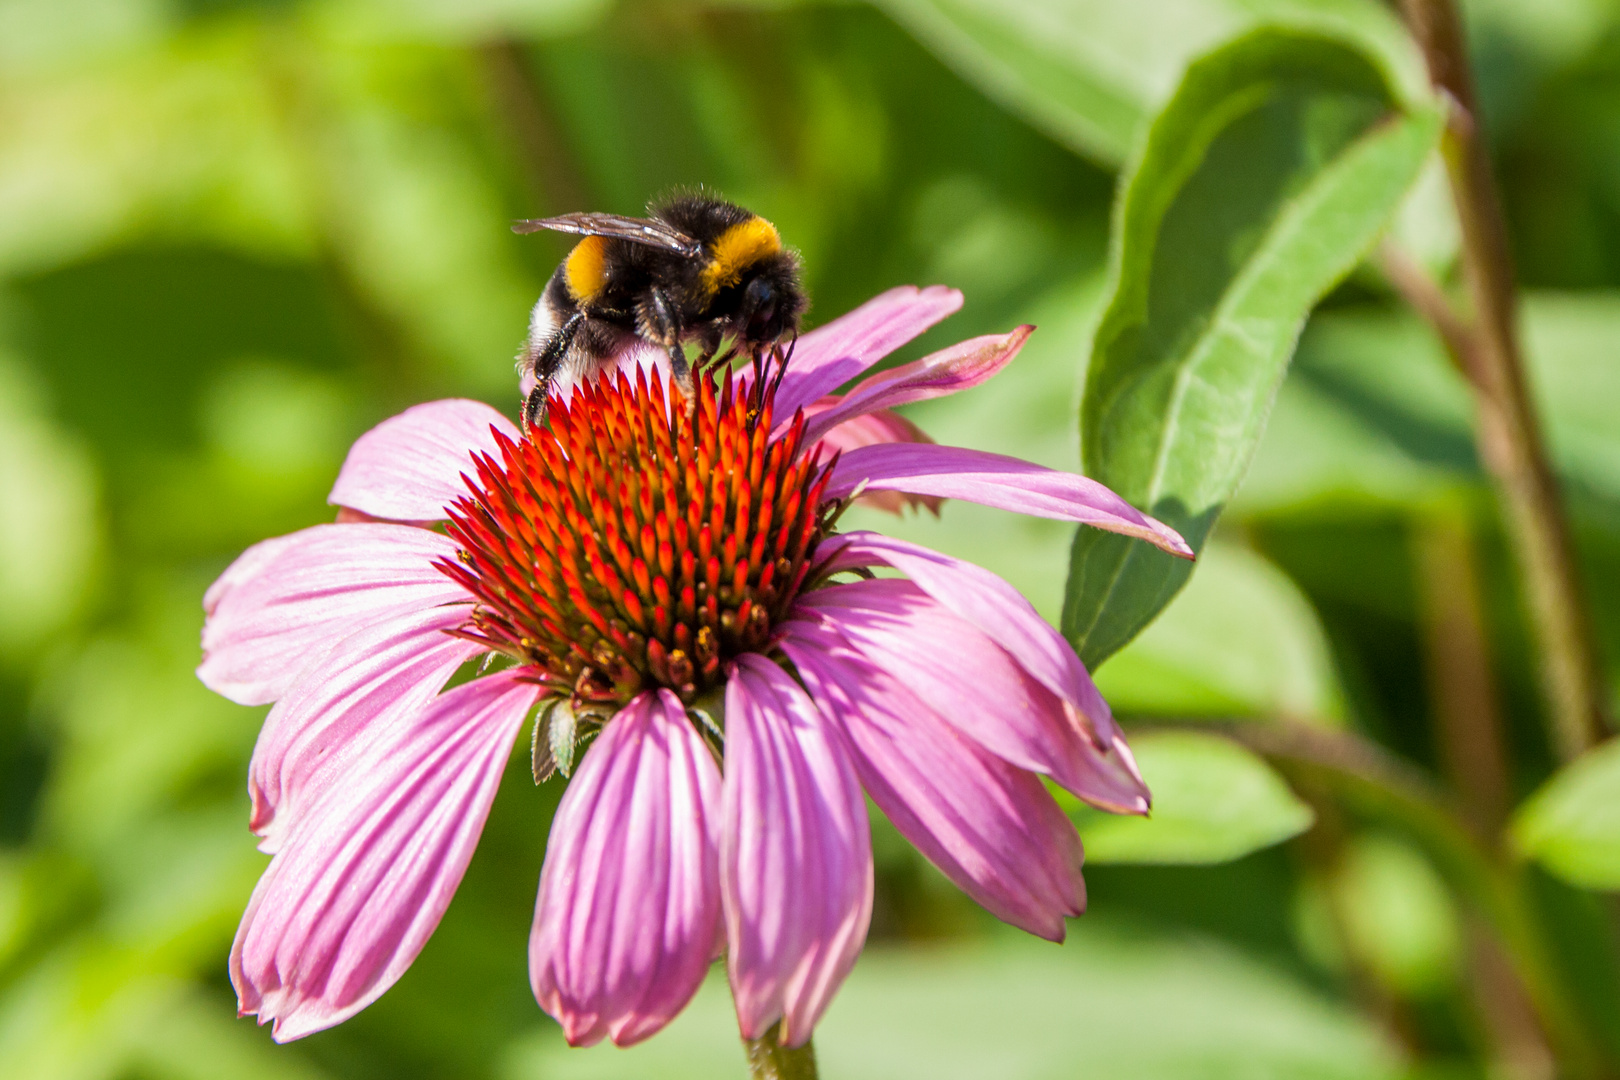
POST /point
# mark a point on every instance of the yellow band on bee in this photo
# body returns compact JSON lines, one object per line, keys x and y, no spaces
{"x":738,"y":248}
{"x":586,"y":268}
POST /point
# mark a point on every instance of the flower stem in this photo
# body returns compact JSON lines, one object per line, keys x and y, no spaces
{"x":1467,"y":710}
{"x":768,"y":1059}
{"x":1509,"y":433}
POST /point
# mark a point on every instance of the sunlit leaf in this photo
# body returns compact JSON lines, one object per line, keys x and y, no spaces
{"x":1091,"y":72}
{"x":1239,"y":641}
{"x":1262,"y":183}
{"x":1572,"y":824}
{"x":1213,"y":801}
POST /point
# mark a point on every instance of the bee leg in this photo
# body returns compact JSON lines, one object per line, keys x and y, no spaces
{"x":534,"y":407}
{"x":546,"y":363}
{"x":666,"y":325}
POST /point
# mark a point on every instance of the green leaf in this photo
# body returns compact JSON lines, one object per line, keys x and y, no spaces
{"x":1107,"y":1004}
{"x":1213,"y":801}
{"x":1241,"y":641}
{"x":1572,"y":824}
{"x":1375,"y":410}
{"x":1397,"y":914}
{"x":1262,"y":183}
{"x":1091,"y":72}
{"x":1570,"y":339}
{"x":1325,"y":455}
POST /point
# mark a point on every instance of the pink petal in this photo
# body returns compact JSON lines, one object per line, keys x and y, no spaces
{"x":373,"y":680}
{"x":992,"y":605}
{"x":953,"y":472}
{"x":795,"y":854}
{"x":408,"y":468}
{"x":993,"y":829}
{"x":364,"y":878}
{"x":865,"y":430}
{"x":629,"y":912}
{"x":248,"y":566}
{"x":977,"y":687}
{"x":950,"y":371}
{"x":285,"y":602}
{"x":831,"y":355}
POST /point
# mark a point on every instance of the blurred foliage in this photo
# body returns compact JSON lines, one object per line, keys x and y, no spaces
{"x":1213,"y":801}
{"x":236,"y":233}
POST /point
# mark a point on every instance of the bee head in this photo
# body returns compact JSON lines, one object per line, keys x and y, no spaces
{"x":772,"y":301}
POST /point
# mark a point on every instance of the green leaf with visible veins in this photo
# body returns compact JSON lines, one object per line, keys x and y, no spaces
{"x":1266,"y":178}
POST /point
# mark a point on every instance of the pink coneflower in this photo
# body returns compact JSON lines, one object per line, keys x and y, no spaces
{"x":667,"y":579}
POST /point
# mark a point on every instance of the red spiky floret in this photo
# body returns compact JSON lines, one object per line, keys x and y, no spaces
{"x":635,"y":544}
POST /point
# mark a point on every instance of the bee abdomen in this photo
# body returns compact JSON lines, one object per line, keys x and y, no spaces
{"x":586,"y":269}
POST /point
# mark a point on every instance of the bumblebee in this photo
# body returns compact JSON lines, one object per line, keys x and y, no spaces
{"x":697,"y":271}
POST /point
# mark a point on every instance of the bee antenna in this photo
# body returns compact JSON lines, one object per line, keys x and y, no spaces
{"x":782,"y":360}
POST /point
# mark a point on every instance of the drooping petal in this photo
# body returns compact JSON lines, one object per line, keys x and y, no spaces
{"x":949,"y":371}
{"x":795,"y":854}
{"x":408,"y":468}
{"x":831,"y":355}
{"x":866,"y":429}
{"x":285,"y":602}
{"x":371,"y":681}
{"x":628,"y":917}
{"x":953,"y":472}
{"x":990,"y":827}
{"x":976,"y":686}
{"x":992,"y":605}
{"x":349,"y":901}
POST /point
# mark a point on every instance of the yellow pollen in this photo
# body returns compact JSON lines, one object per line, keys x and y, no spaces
{"x":586,"y":268}
{"x":738,"y":248}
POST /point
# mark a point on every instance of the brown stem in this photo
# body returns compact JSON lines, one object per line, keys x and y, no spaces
{"x":1429,"y":300}
{"x":1469,"y":726}
{"x":1468,"y":718}
{"x":1509,"y":434}
{"x":1517,"y":1044}
{"x":768,"y":1059}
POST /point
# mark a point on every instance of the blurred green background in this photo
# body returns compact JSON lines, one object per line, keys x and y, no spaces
{"x":236,"y":233}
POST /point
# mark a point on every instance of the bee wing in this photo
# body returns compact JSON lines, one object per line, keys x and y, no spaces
{"x":649,"y":231}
